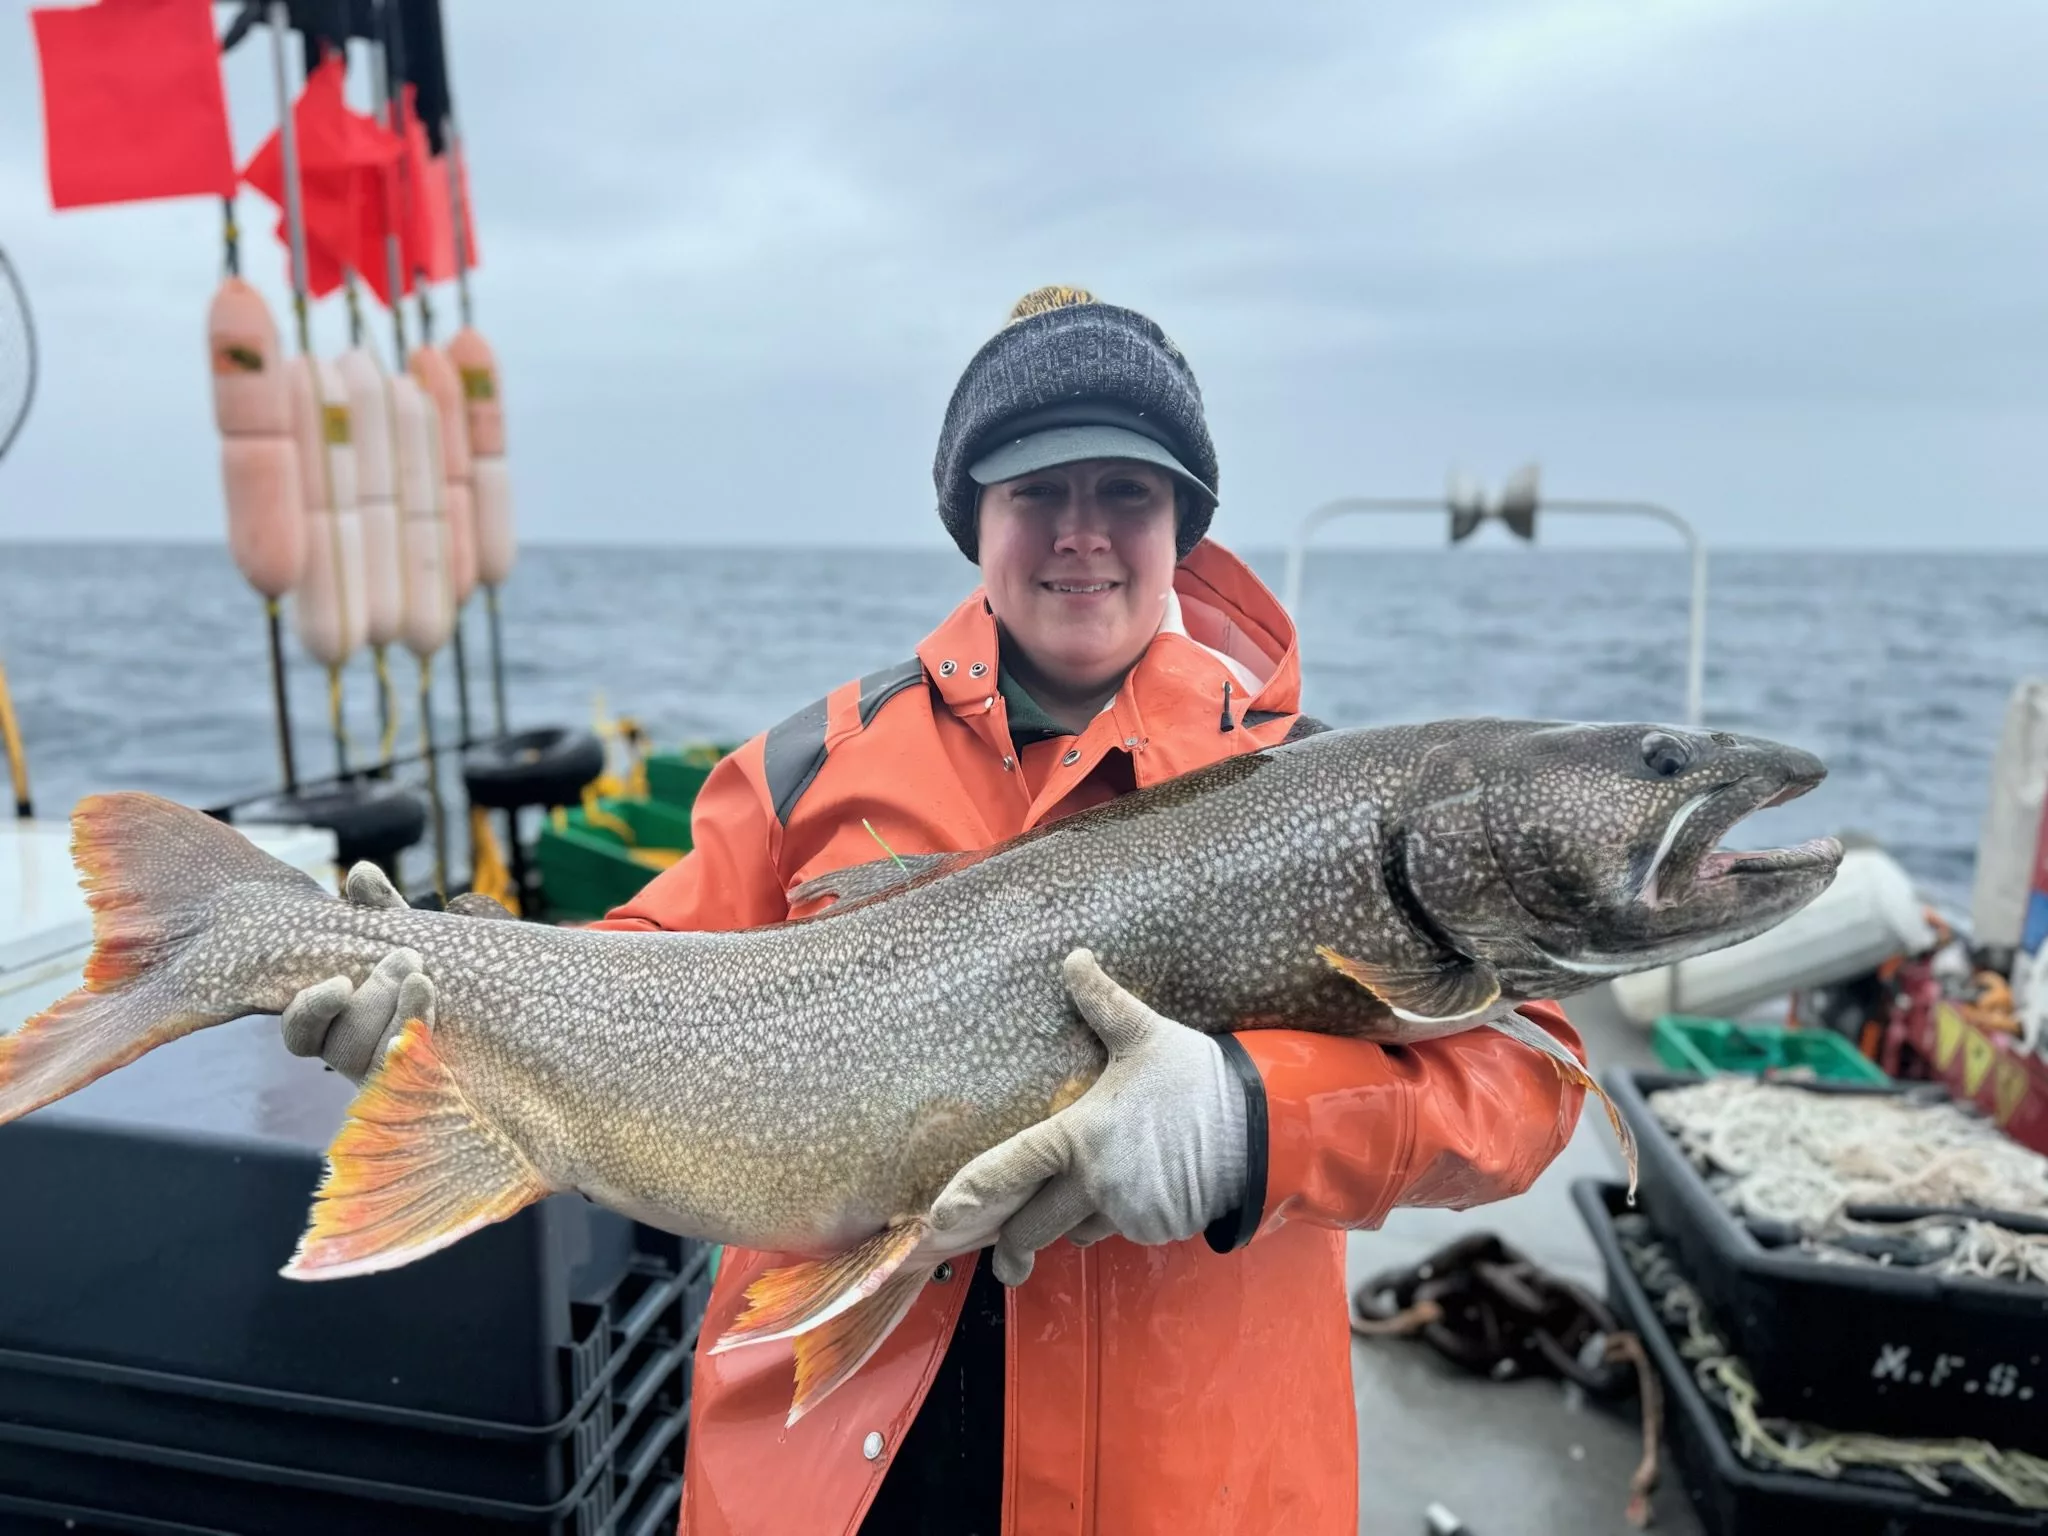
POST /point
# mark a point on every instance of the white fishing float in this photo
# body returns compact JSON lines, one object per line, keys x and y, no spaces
{"x":329,"y":603}
{"x":259,"y":461}
{"x":496,"y":547}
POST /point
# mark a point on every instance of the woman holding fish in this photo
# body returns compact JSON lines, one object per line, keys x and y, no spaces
{"x":1182,"y":1363}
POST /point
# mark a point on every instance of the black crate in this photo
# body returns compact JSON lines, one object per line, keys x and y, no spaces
{"x":1734,"y":1498}
{"x":109,"y":1482}
{"x":652,"y":1309}
{"x":1854,"y":1347}
{"x":146,"y":1220}
{"x":651,"y":1513}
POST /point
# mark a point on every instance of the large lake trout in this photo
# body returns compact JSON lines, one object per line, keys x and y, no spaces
{"x":811,"y":1087}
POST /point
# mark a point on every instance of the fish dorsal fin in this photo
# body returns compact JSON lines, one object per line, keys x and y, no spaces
{"x":416,"y":1169}
{"x":878,"y":877}
{"x":1436,"y":993}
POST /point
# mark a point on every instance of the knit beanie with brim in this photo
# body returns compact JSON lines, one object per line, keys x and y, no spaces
{"x":1070,"y":378}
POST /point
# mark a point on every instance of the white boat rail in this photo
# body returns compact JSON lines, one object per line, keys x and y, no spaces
{"x":1516,"y":506}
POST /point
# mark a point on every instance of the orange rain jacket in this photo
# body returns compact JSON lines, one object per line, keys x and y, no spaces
{"x":1172,"y":1389}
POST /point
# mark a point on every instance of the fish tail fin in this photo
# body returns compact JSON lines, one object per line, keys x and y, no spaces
{"x":1573,"y":1070}
{"x":152,"y":871}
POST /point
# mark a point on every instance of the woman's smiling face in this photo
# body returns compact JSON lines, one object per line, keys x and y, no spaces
{"x":1078,"y":561}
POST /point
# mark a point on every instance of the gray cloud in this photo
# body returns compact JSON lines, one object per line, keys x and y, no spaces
{"x":1778,"y":264}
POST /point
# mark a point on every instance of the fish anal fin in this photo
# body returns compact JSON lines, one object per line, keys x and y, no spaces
{"x":1438,"y":994}
{"x":798,"y":1298}
{"x":829,"y":1354}
{"x":415,"y":1169}
{"x":1532,"y":1034}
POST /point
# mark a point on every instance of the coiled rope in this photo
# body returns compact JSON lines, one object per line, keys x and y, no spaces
{"x":1780,"y":1153}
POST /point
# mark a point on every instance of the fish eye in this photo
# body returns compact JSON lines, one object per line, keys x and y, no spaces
{"x":1665,"y":755}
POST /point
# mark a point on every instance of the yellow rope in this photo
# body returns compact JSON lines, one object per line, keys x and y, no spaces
{"x":598,"y":816}
{"x":488,"y":875}
{"x":10,"y":740}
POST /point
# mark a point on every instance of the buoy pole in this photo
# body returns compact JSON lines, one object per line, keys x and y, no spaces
{"x":382,"y":52}
{"x":280,"y":693}
{"x":295,"y":229}
{"x":458,"y":182}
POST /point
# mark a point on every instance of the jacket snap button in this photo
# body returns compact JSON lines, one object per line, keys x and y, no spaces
{"x":1073,"y":756}
{"x":943,"y":1273}
{"x":945,"y":669}
{"x":979,"y":669}
{"x":1009,"y":764}
{"x":872,"y":1446}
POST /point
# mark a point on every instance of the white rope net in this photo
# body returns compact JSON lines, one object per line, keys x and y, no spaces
{"x":1780,"y":1153}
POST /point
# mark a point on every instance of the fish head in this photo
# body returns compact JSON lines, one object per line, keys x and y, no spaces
{"x":1564,"y":854}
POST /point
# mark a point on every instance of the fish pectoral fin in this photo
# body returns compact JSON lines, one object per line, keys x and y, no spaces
{"x":797,"y":1298}
{"x":1440,"y":994}
{"x":828,"y":1355}
{"x":415,"y":1169}
{"x":1573,"y":1070}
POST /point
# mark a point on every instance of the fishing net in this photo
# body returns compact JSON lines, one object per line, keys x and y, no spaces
{"x":1938,"y":1466}
{"x":1961,"y":1198}
{"x":17,"y":355}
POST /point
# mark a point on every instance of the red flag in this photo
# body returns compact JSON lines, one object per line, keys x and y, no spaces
{"x":132,"y":102}
{"x":428,"y":225}
{"x":343,"y":158}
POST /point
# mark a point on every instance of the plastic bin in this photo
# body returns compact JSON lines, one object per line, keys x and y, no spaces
{"x":589,"y":866}
{"x":146,"y":1219}
{"x":651,"y":1513}
{"x":653,"y":1309}
{"x":1688,"y":1044}
{"x":676,"y":777}
{"x":1733,"y":1498}
{"x":1854,"y":1347}
{"x":106,"y":1483}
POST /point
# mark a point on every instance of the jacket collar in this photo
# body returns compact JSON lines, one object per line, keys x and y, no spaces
{"x":1229,"y":627}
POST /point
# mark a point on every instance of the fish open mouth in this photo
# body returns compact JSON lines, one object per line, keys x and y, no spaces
{"x":1697,"y":873}
{"x":1813,"y":854}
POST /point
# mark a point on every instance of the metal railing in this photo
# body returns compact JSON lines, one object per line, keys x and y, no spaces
{"x":1516,"y":506}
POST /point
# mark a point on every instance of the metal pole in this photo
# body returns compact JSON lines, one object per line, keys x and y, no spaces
{"x":295,"y":228}
{"x":288,"y":138}
{"x":497,"y":660}
{"x":458,"y":185}
{"x":277,"y":689}
{"x":394,"y":265}
{"x":1297,"y":553}
{"x":438,"y":812}
{"x":1696,"y":639}
{"x":462,"y":686}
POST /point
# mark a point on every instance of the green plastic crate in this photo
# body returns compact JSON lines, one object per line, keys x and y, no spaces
{"x":1688,"y":1044}
{"x":587,"y":867}
{"x":676,"y":777}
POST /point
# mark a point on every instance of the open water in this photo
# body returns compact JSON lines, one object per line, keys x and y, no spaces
{"x":144,"y":666}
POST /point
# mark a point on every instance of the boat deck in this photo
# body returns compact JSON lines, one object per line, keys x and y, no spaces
{"x":1527,"y":1458}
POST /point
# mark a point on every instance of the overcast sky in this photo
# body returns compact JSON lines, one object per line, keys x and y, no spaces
{"x":1782,"y":264}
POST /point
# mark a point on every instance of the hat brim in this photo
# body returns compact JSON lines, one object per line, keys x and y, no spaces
{"x":1070,"y":445}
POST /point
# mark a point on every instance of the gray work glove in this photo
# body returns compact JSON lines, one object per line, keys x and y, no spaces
{"x":1154,"y":1151}
{"x":348,"y":1026}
